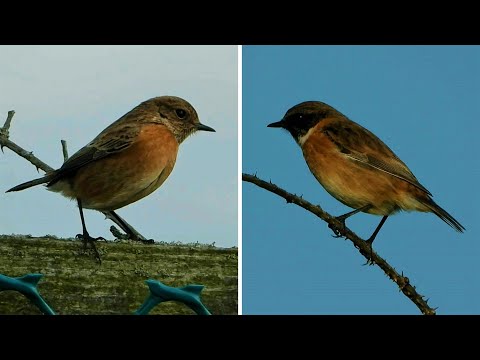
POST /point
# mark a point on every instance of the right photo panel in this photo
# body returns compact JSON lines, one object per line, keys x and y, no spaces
{"x":360,"y":179}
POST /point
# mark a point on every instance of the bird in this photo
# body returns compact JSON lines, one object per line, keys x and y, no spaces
{"x":355,"y":166}
{"x":127,"y":161}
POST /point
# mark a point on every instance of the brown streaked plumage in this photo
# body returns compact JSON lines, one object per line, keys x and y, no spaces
{"x":355,"y":166}
{"x":128,"y":160}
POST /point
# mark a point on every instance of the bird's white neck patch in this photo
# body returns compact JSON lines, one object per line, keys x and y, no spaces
{"x":301,"y":139}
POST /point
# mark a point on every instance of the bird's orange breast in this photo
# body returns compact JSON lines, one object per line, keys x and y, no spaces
{"x":120,"y":179}
{"x":353,"y":183}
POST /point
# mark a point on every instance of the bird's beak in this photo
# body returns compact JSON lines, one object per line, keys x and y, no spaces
{"x":204,"y":127}
{"x":277,"y":124}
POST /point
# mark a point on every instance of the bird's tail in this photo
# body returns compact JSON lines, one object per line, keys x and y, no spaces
{"x":31,"y":183}
{"x":442,"y":214}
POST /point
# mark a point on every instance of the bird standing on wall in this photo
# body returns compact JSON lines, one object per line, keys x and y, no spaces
{"x":127,"y":161}
{"x":355,"y":166}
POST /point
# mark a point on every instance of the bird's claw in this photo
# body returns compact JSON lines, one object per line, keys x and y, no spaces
{"x":338,"y":232}
{"x":148,"y":241}
{"x":369,"y":256}
{"x":87,"y":239}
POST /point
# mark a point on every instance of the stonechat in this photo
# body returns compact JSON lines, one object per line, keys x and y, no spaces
{"x":128,"y":160}
{"x":355,"y":166}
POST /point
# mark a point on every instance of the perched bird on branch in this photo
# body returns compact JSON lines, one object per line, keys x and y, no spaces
{"x":355,"y":166}
{"x":128,"y":160}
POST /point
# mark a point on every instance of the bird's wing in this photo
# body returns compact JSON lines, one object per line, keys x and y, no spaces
{"x":361,"y":145}
{"x":110,"y":141}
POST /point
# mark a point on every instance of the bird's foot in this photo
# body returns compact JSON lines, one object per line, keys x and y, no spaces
{"x":338,"y":232}
{"x":147,"y":241}
{"x":140,"y":238}
{"x":369,"y":254}
{"x":88,"y":240}
{"x":129,"y":235}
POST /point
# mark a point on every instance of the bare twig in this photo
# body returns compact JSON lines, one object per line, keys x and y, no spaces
{"x":119,"y":235}
{"x":6,"y":127}
{"x":372,"y":257}
{"x":64,"y":150}
{"x":28,"y":155}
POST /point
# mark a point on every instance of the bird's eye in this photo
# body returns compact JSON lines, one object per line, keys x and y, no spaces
{"x":300,"y":117}
{"x":181,"y":113}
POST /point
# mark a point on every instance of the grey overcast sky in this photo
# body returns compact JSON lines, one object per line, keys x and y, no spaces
{"x":74,"y":92}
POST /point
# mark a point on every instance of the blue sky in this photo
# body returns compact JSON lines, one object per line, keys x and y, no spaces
{"x":424,"y":103}
{"x":74,"y":92}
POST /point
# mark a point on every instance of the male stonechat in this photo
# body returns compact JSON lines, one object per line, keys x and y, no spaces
{"x":355,"y":166}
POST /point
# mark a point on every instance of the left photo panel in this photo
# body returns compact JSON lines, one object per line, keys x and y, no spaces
{"x":119,"y":180}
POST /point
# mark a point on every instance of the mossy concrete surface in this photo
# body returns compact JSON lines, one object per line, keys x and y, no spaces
{"x":74,"y":283}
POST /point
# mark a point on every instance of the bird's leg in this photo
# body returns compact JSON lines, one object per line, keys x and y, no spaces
{"x":131,"y":232}
{"x":85,"y":236}
{"x":342,"y":218}
{"x":372,"y":237}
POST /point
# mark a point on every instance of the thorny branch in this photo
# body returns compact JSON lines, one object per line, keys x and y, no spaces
{"x":39,"y":164}
{"x":372,"y":257}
